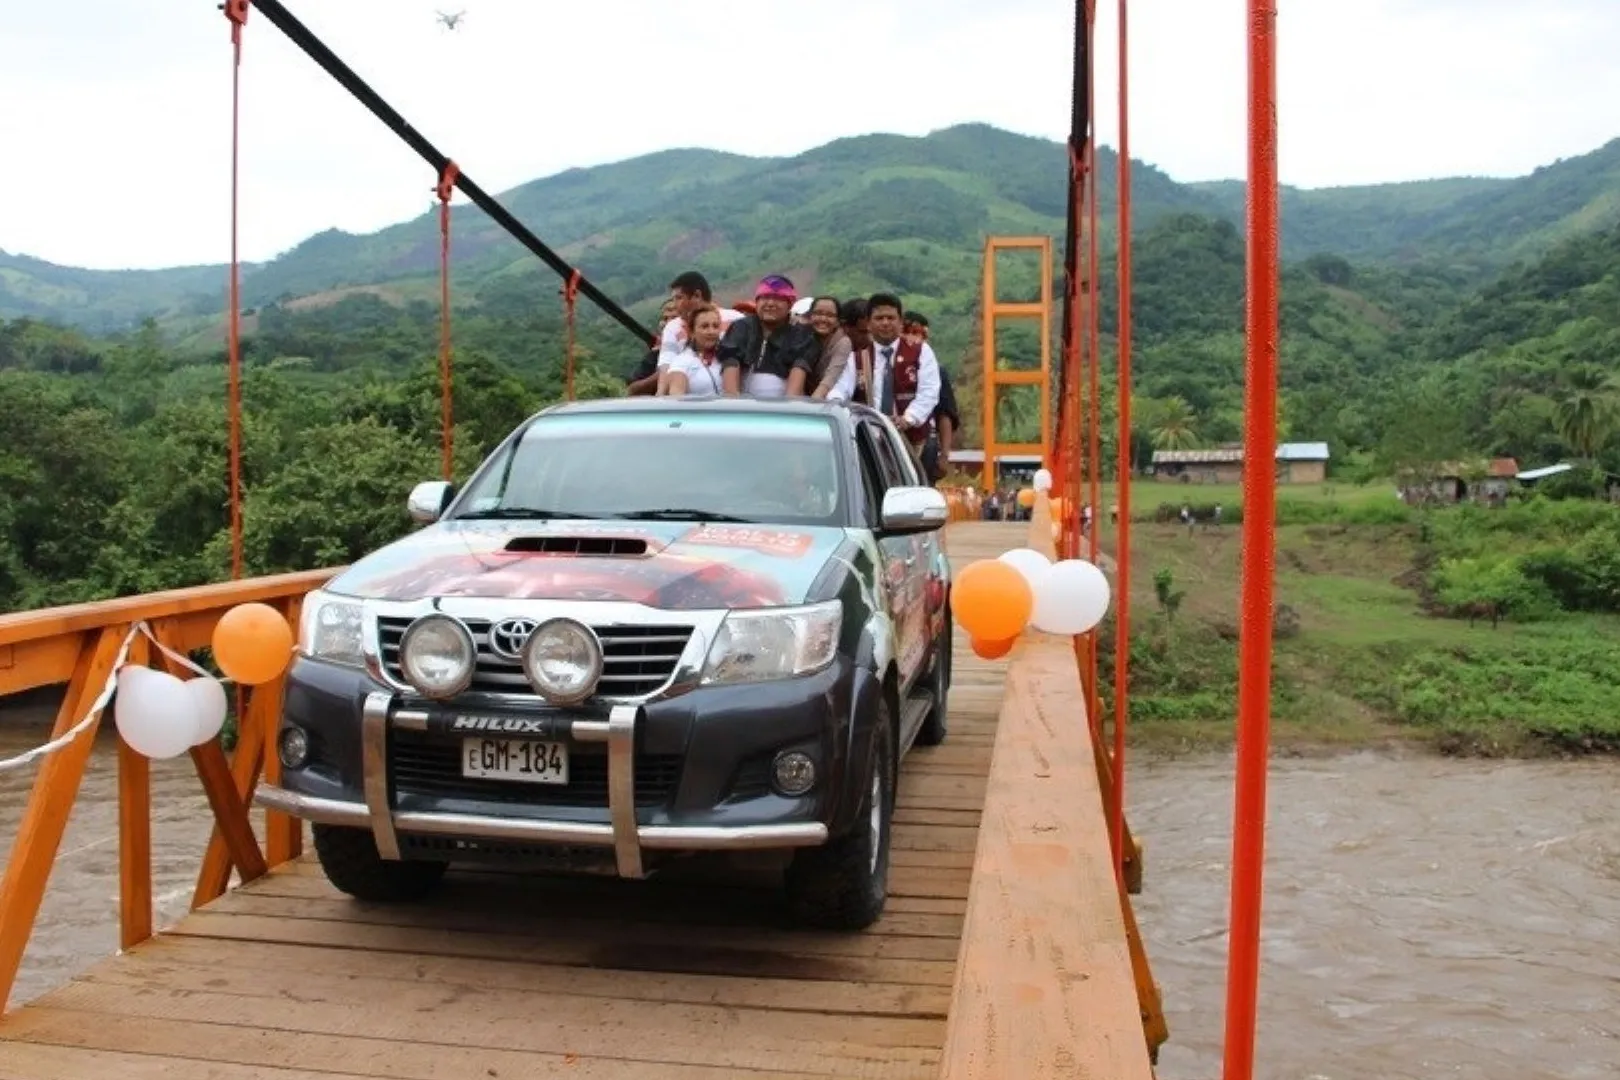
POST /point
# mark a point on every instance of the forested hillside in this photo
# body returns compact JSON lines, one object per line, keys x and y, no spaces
{"x":114,"y":465}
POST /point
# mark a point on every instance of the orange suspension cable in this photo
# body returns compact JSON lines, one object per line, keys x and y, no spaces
{"x":446,"y":187}
{"x":1122,"y":543}
{"x":237,"y":12}
{"x":570,"y":294}
{"x":1259,"y":548}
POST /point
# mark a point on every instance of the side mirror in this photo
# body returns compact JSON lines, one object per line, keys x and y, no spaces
{"x":428,"y":500}
{"x":913,"y":509}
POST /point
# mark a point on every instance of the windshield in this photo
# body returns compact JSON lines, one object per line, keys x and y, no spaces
{"x":675,"y":465}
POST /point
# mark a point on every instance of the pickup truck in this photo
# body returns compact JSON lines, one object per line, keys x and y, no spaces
{"x":644,"y":628}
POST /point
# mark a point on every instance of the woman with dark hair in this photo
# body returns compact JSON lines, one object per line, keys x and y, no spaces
{"x":835,"y":348}
{"x":697,"y":369}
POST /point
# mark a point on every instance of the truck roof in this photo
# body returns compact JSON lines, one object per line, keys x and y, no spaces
{"x":707,"y":403}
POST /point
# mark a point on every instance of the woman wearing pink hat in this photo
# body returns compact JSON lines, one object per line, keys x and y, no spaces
{"x":761,"y":350}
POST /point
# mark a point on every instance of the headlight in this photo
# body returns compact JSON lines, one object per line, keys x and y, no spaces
{"x":774,"y":643}
{"x":563,"y":660}
{"x":437,"y":656}
{"x":329,"y":629}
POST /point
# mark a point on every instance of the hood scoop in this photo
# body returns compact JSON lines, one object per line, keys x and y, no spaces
{"x":578,"y":545}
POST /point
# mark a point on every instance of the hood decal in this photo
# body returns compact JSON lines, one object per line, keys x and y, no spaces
{"x":685,"y":567}
{"x":781,"y":543}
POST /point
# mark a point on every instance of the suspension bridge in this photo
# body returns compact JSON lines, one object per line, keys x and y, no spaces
{"x":1009,"y":947}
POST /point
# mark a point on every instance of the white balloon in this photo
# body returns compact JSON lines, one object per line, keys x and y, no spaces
{"x":1029,"y":562}
{"x":155,"y":713}
{"x":1043,"y":480}
{"x":1071,"y":597}
{"x":209,"y":695}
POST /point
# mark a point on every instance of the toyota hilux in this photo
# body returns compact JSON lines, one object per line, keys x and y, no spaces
{"x":644,"y":628}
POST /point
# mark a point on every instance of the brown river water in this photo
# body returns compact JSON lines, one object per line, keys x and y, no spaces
{"x":1424,"y":918}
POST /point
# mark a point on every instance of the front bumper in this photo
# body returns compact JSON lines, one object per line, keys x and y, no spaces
{"x":680,"y":792}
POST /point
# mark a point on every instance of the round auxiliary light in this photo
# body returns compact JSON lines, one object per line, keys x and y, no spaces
{"x":793,"y":772}
{"x":563,"y":660}
{"x":294,"y":747}
{"x":437,"y":655}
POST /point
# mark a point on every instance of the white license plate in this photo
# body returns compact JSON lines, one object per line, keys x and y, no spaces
{"x":515,"y":759}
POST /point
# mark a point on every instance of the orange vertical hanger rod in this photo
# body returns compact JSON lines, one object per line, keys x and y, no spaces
{"x":1259,"y":549}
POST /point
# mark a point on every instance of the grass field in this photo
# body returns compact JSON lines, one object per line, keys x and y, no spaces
{"x":1363,"y":664}
{"x":1146,"y":494}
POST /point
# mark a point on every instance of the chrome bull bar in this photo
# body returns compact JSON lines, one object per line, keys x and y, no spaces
{"x":626,"y":837}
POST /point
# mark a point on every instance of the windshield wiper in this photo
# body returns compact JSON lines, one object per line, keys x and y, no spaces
{"x":515,"y":513}
{"x":678,"y":514}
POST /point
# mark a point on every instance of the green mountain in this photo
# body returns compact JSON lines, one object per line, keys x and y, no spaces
{"x":855,"y":214}
{"x":1475,"y":223}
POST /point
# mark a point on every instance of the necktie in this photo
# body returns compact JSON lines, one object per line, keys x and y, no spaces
{"x":886,"y":373}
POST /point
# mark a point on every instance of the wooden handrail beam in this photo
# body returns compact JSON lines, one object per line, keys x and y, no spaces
{"x":27,"y":626}
{"x":1071,"y":998}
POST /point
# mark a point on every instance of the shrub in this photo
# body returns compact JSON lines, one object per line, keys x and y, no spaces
{"x":1491,"y":589}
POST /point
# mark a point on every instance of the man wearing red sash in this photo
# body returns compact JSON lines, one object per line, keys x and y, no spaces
{"x":902,"y":380}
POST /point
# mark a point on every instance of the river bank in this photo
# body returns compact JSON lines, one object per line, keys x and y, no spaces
{"x":1362,"y":657}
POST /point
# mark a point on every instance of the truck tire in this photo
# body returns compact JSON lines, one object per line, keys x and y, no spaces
{"x":844,"y":884}
{"x":350,"y":860}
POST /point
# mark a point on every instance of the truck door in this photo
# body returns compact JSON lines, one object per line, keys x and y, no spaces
{"x":905,"y":574}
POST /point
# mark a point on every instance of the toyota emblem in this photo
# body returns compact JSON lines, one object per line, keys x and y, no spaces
{"x":507,"y":637}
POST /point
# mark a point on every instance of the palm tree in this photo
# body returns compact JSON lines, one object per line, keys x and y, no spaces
{"x":1016,"y":415}
{"x":1173,"y":425}
{"x":1589,"y":413}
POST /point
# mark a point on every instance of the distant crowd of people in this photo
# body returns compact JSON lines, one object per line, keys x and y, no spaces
{"x":868,"y":350}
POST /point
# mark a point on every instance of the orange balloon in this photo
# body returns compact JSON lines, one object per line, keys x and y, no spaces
{"x":1026,"y":498}
{"x":993,"y":650}
{"x":252,"y":643}
{"x":1056,"y":505}
{"x":992,"y":600}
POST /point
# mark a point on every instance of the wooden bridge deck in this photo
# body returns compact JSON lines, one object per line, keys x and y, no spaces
{"x":688,"y":975}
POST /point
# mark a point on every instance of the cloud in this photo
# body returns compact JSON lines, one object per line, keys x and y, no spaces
{"x":117,"y":123}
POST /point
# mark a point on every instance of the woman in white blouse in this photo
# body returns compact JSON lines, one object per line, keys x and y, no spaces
{"x":695,"y":369}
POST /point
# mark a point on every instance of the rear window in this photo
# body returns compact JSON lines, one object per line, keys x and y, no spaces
{"x":760,"y":468}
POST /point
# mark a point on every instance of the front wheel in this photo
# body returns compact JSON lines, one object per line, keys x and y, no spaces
{"x":844,"y":884}
{"x":350,"y":860}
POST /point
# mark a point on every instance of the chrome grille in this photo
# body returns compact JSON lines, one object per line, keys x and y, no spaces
{"x":636,"y":660}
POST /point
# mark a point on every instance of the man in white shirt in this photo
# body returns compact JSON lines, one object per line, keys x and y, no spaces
{"x":905,"y":374}
{"x":688,"y":290}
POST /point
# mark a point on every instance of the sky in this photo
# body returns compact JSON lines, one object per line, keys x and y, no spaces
{"x":115,"y":127}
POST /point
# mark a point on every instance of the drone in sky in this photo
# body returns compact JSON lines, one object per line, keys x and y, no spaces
{"x":450,"y":21}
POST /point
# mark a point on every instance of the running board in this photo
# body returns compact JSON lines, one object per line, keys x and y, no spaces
{"x":912,"y":714}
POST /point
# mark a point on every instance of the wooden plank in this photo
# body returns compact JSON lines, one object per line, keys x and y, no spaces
{"x":423,"y":967}
{"x":28,"y":665}
{"x":134,"y":832}
{"x":214,"y":876}
{"x":722,"y":1038}
{"x":188,"y":1051}
{"x":50,"y":622}
{"x":50,"y":802}
{"x":1061,"y":1002}
{"x":134,"y":846}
